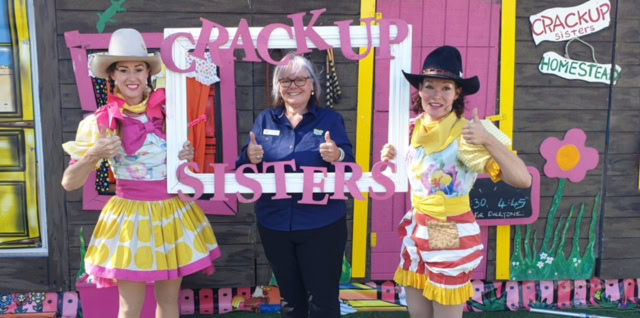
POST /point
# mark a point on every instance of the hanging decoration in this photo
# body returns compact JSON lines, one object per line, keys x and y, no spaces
{"x":206,"y":71}
{"x":562,"y":24}
{"x":566,"y":159}
{"x":107,"y":15}
{"x":333,"y":85}
{"x":565,"y":67}
{"x":569,"y":24}
{"x":100,"y":90}
{"x":104,"y":175}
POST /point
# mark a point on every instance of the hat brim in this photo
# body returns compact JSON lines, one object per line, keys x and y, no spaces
{"x":469,"y":85}
{"x":101,"y":62}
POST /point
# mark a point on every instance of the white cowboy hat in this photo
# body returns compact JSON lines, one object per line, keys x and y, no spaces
{"x":125,"y":45}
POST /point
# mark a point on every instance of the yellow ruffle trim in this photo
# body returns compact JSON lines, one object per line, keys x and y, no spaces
{"x":410,"y":279}
{"x":442,"y":296}
{"x":449,"y":297}
{"x":493,"y":170}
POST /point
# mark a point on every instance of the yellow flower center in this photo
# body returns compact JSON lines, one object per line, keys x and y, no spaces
{"x":568,"y":157}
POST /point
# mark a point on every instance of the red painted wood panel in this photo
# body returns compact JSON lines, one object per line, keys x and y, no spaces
{"x":474,"y":27}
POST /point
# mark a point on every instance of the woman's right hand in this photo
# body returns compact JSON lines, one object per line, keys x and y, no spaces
{"x":105,"y":147}
{"x":388,"y":152}
{"x":254,"y":151}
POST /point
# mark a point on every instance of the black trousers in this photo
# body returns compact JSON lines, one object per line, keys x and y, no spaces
{"x":307,"y":265}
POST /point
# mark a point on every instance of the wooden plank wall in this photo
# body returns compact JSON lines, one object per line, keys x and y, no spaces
{"x":548,"y":106}
{"x":622,"y":216}
{"x":243,"y":262}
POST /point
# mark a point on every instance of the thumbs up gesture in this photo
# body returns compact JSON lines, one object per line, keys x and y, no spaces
{"x":254,"y":151}
{"x":106,"y":146}
{"x":329,"y":151}
{"x":474,"y":133}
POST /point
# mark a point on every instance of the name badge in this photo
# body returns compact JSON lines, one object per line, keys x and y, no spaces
{"x":318,"y":132}
{"x":271,"y":132}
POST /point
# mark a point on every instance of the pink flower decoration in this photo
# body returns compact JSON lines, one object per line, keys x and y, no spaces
{"x":569,"y":158}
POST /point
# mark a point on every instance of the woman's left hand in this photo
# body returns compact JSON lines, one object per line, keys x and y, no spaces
{"x":187,"y":152}
{"x":474,"y":133}
{"x":328,"y":149}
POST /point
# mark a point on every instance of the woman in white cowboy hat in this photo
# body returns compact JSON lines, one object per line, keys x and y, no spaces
{"x":441,"y":243}
{"x":143,"y":233}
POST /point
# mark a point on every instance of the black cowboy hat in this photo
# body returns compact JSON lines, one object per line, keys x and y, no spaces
{"x":445,"y":63}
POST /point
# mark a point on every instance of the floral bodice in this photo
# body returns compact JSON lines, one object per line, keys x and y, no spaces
{"x":439,"y":172}
{"x":149,"y":162}
{"x":452,"y":168}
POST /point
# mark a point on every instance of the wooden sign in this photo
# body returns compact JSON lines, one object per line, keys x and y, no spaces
{"x":501,"y":204}
{"x":553,"y":63}
{"x":562,"y":24}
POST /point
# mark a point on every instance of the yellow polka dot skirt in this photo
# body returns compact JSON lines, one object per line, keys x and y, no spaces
{"x":150,"y":240}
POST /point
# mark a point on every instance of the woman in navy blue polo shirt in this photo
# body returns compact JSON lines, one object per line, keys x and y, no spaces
{"x":304,"y":243}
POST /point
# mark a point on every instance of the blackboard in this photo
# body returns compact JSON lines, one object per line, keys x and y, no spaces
{"x":501,"y":204}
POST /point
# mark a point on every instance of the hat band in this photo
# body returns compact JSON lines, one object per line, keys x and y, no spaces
{"x":435,"y":71}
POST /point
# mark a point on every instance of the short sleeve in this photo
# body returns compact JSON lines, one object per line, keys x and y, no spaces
{"x":86,"y":136}
{"x":477,"y":158}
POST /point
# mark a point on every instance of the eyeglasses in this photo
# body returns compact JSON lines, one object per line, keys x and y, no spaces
{"x":300,"y":81}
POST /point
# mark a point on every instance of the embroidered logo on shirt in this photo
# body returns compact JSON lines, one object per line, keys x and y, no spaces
{"x":318,"y":132}
{"x":271,"y":132}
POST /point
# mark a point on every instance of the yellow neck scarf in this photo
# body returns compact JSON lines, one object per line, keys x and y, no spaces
{"x":435,"y":136}
{"x":138,"y":108}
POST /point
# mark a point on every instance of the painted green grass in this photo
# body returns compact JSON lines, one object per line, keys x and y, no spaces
{"x":551,"y":263}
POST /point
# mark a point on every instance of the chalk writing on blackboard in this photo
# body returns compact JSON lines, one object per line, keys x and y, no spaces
{"x":499,"y":203}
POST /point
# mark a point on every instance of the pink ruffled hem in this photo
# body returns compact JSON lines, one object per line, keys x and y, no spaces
{"x":107,"y":277}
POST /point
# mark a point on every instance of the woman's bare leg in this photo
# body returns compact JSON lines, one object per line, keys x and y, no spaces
{"x":418,"y":305}
{"x":444,"y":311}
{"x":167,"y":293}
{"x":131,"y":298}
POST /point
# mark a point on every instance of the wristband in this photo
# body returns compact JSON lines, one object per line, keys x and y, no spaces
{"x":341,"y":154}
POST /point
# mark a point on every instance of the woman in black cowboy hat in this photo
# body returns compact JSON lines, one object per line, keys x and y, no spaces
{"x":441,"y":243}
